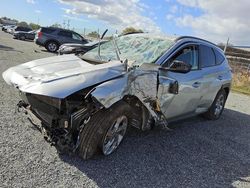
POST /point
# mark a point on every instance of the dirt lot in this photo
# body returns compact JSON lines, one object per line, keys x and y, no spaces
{"x":197,"y":153}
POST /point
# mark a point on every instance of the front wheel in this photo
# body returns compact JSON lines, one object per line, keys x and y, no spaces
{"x":217,"y":107}
{"x":105,"y":130}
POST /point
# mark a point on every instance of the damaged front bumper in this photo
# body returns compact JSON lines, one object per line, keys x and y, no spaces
{"x":56,"y":136}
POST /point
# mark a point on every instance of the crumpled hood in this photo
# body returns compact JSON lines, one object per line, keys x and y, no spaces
{"x":60,"y":76}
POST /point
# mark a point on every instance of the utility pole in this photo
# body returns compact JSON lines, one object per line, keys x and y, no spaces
{"x":64,"y":24}
{"x":225,"y":48}
{"x":68,"y":24}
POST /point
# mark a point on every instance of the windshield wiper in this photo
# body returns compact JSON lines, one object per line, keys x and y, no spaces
{"x":99,"y":44}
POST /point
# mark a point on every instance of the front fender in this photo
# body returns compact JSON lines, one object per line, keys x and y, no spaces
{"x":111,"y":91}
{"x":141,"y":83}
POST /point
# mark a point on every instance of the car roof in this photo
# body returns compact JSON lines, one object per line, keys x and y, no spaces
{"x":61,"y":29}
{"x":194,"y":38}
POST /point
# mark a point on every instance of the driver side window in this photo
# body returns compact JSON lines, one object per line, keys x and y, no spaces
{"x":188,"y":55}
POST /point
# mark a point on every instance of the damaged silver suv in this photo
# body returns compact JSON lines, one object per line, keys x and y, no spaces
{"x":86,"y":103}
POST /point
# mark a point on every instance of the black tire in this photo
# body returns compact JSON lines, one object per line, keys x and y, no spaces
{"x":213,"y":113}
{"x":93,"y":133}
{"x":52,"y":46}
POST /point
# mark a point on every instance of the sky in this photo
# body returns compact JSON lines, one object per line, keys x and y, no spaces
{"x":214,"y":20}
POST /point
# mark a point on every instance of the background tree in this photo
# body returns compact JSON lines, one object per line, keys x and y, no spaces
{"x":34,"y":26}
{"x":129,"y":30}
{"x":6,"y":20}
{"x":56,"y":25}
{"x":23,"y":24}
{"x":93,"y":34}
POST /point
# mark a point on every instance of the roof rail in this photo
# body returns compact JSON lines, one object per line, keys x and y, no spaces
{"x":191,"y":37}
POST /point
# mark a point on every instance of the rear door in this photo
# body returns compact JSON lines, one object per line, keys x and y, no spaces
{"x":190,"y":84}
{"x":212,"y":72}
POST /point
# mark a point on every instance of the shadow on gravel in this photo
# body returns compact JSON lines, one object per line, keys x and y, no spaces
{"x":197,"y":153}
{"x":7,"y":48}
{"x":25,"y":40}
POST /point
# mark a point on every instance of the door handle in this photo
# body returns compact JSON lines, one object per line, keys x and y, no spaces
{"x":196,"y":84}
{"x":220,"y":77}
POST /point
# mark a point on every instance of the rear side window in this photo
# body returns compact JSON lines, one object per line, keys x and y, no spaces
{"x":207,"y":56}
{"x":47,"y":30}
{"x":219,"y":57}
{"x":65,"y":34}
{"x":76,"y":36}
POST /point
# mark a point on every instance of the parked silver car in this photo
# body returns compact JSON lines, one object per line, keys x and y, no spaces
{"x":86,"y":103}
{"x":74,"y":48}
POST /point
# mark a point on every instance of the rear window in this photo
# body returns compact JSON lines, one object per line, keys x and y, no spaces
{"x":207,"y":56}
{"x":47,"y":30}
{"x":219,"y":57}
{"x":22,"y":29}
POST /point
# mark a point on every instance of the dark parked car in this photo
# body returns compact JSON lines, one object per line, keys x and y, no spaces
{"x":51,"y":38}
{"x":22,"y":35}
{"x":19,"y":28}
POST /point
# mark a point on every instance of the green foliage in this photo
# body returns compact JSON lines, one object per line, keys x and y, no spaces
{"x":57,"y":25}
{"x":129,"y":30}
{"x":93,"y":34}
{"x":34,"y":26}
{"x":23,"y":24}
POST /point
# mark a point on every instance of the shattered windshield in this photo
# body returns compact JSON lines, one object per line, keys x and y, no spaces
{"x":136,"y":48}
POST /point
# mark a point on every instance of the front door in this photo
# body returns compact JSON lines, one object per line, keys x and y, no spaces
{"x":190,"y":85}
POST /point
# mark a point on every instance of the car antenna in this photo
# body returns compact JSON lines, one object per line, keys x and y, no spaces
{"x":99,"y":44}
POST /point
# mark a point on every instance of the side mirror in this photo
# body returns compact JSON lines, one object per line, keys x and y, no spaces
{"x":179,"y":66}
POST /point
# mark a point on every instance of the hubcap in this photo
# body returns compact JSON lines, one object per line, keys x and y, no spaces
{"x":114,"y":135}
{"x":52,"y":47}
{"x":219,"y":105}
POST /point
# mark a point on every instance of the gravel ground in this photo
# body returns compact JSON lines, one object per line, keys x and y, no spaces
{"x":197,"y":153}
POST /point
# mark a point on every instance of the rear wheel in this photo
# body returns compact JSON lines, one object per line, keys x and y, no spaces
{"x":52,"y":46}
{"x":217,"y":107}
{"x":105,"y":130}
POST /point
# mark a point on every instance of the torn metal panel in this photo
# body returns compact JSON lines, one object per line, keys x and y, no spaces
{"x":140,"y":82}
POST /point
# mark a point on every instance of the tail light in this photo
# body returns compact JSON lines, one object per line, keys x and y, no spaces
{"x":39,"y":34}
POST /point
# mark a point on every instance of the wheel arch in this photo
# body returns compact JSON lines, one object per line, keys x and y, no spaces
{"x":226,"y":88}
{"x":112,"y":93}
